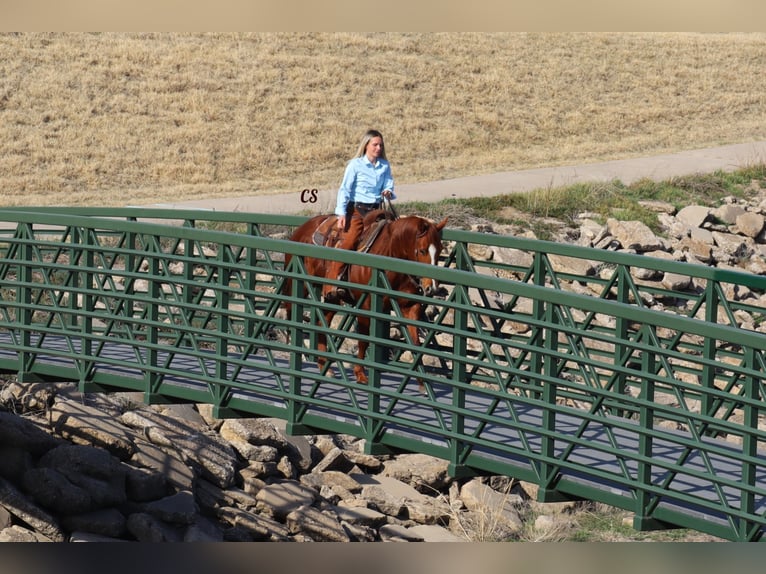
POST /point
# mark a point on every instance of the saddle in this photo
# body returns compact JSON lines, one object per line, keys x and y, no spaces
{"x":328,"y":235}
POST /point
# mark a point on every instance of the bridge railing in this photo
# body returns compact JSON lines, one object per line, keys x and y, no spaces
{"x":534,"y":365}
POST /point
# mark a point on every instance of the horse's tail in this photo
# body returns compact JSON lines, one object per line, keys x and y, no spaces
{"x":286,"y":285}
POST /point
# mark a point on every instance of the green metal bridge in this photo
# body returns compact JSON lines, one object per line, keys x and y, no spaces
{"x":555,"y":364}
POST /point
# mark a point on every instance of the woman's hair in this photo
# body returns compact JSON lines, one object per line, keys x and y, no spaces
{"x":368,"y":135}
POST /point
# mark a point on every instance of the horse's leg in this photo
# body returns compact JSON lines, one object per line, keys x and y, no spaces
{"x":413,"y":312}
{"x":322,"y":341}
{"x":286,"y":289}
{"x":363,"y":328}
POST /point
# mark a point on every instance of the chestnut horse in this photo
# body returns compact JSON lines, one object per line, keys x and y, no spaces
{"x":411,"y":238}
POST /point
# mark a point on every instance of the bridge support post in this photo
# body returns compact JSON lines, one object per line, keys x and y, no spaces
{"x":296,"y":358}
{"x":461,"y":471}
{"x":378,"y":329}
{"x":647,"y":523}
{"x":459,"y":376}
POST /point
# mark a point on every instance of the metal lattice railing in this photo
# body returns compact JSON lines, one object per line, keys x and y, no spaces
{"x":567,"y":375}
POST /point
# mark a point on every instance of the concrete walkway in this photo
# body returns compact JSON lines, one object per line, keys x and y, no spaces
{"x":657,"y":168}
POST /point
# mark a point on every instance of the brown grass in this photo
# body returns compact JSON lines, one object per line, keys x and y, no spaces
{"x":115,"y":119}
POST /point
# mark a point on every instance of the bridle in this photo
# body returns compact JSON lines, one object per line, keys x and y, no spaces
{"x":415,"y":280}
{"x":418,"y":281}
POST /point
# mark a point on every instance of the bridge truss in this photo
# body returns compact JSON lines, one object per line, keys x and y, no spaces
{"x":551,"y":363}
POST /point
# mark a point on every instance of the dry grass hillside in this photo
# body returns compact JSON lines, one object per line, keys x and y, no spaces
{"x":115,"y":119}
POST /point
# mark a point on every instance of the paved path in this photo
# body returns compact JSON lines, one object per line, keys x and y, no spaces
{"x":660,"y":167}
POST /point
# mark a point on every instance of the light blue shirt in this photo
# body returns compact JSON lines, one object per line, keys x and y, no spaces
{"x":364,"y":182}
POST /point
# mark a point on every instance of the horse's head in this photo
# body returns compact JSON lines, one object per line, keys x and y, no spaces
{"x":426,"y":248}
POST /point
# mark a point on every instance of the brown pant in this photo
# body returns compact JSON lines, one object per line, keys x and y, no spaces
{"x":349,"y":240}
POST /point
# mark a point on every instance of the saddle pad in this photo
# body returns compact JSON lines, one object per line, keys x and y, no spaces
{"x":326,"y":233}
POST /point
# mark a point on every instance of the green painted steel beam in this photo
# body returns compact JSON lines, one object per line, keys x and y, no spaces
{"x":171,"y":304}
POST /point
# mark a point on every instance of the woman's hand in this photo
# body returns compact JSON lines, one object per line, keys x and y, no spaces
{"x":341,"y":222}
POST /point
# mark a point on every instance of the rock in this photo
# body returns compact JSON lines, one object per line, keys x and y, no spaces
{"x":18,"y":432}
{"x":5,"y":518}
{"x":78,"y":536}
{"x":732,"y":246}
{"x":261,"y":470}
{"x":591,"y":232}
{"x":397,"y":533}
{"x":299,"y":450}
{"x":73,"y":479}
{"x":335,"y":460}
{"x":427,"y":510}
{"x":367,"y":463}
{"x":727,"y":213}
{"x":359,"y":533}
{"x":146,"y":528}
{"x":204,"y":530}
{"x":205,"y":451}
{"x":254,"y":431}
{"x":257,"y":453}
{"x":178,"y":508}
{"x":28,"y":396}
{"x":211,"y":455}
{"x":281,"y":498}
{"x":658,"y":206}
{"x":16,"y":461}
{"x":212,"y":498}
{"x":514,"y":257}
{"x":86,"y":425}
{"x":258,"y":527}
{"x":699,"y":249}
{"x":634,"y":235}
{"x":675,"y":282}
{"x":19,"y":505}
{"x":493,"y":506}
{"x":17,"y":533}
{"x":176,"y":472}
{"x":319,"y":526}
{"x":693,"y":215}
{"x":109,"y":523}
{"x":750,"y":224}
{"x":399,"y":500}
{"x":433,"y":533}
{"x":425,"y":473}
{"x":55,"y":492}
{"x":360,"y":515}
{"x":572,"y":265}
{"x":331,"y":478}
{"x":143,"y":484}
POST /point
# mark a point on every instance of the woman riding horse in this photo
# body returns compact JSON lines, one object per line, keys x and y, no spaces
{"x":366,"y":182}
{"x":409,"y":238}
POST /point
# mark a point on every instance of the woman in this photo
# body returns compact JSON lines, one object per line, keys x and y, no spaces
{"x":366,"y":182}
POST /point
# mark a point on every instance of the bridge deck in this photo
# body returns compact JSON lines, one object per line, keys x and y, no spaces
{"x":262,"y":390}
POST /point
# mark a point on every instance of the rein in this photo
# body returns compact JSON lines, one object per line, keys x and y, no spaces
{"x":388,"y":206}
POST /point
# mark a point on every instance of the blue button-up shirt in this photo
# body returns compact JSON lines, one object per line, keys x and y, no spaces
{"x":364,"y":182}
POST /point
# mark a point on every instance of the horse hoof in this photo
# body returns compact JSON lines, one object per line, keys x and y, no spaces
{"x":328,"y":372}
{"x":335,"y":295}
{"x":330,"y":297}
